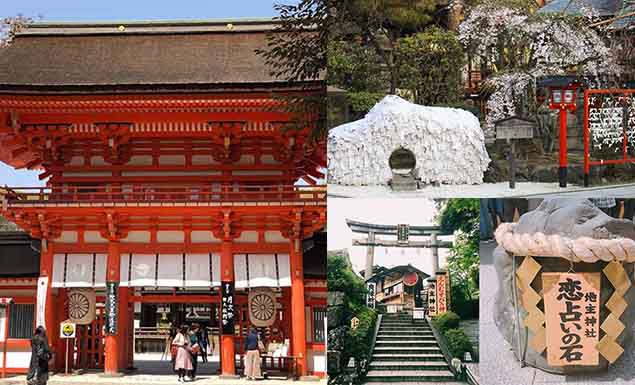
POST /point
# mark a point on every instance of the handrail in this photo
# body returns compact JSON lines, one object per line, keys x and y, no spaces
{"x":469,"y":377}
{"x":377,"y":325}
{"x":156,"y":193}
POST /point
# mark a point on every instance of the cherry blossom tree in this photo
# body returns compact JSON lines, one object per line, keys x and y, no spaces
{"x":9,"y":26}
{"x":515,"y":47}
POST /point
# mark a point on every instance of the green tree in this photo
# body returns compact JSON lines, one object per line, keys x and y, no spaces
{"x":341,"y":278}
{"x":296,"y":52}
{"x":383,"y":22}
{"x":430,"y":65}
{"x":461,"y":217}
{"x":351,"y":290}
{"x":458,"y":214}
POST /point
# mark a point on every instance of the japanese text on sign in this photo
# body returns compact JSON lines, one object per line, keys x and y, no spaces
{"x":432,"y":299}
{"x":370,"y":297}
{"x":442,"y":306}
{"x":112,"y":289}
{"x":227,"y":308}
{"x":572,"y":317}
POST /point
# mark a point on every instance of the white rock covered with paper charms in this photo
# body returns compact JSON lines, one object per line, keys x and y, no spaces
{"x":574,"y":304}
{"x":448,"y":145}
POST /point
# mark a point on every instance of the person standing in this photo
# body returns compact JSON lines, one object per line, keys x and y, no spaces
{"x":252,"y":355}
{"x":203,"y":339}
{"x":173,"y":349}
{"x":183,"y":361}
{"x":40,"y":356}
{"x":194,"y":350}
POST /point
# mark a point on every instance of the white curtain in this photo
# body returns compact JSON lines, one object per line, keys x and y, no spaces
{"x":143,"y":270}
{"x":170,"y":270}
{"x":58,"y":270}
{"x":76,"y":270}
{"x":100,"y":270}
{"x":198,"y":271}
{"x":241,"y":280}
{"x":284,"y":270}
{"x":124,"y":270}
{"x":262,"y":270}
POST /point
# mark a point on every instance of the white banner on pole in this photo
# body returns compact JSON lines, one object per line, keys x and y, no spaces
{"x":42,"y":286}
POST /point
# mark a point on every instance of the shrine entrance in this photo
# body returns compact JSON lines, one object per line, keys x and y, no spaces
{"x":158,"y":317}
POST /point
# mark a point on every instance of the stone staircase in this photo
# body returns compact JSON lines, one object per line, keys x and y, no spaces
{"x":407,"y":352}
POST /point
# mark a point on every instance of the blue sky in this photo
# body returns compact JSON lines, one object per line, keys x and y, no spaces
{"x":73,"y":10}
{"x":84,"y":10}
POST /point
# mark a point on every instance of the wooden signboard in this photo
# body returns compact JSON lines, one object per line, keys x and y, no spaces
{"x":228,"y":311}
{"x":572,"y":317}
{"x":112,"y":297}
{"x":403,"y":233}
{"x":442,"y":294}
{"x":432,"y":299}
{"x":370,"y":297}
{"x":514,"y":128}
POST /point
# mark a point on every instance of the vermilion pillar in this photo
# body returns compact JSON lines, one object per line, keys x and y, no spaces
{"x":562,"y":171}
{"x":298,"y":318}
{"x":123,"y":325}
{"x":112,"y":364}
{"x":228,"y":350}
{"x":48,"y":300}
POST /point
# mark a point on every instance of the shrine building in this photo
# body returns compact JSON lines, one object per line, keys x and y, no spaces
{"x":180,"y":184}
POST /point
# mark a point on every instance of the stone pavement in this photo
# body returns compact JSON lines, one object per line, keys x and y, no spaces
{"x":499,"y":365}
{"x":162,"y":373}
{"x":94,"y":378}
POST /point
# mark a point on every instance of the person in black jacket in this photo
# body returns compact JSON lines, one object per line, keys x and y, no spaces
{"x":40,"y":356}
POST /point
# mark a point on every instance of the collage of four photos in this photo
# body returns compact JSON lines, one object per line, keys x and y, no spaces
{"x":317,"y":191}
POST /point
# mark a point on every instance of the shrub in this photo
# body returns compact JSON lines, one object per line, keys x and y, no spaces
{"x":445,"y":321}
{"x":357,"y":342}
{"x":458,"y":343}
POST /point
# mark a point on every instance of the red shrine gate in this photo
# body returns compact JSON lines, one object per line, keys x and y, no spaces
{"x":156,"y":183}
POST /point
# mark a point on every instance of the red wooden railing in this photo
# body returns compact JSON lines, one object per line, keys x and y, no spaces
{"x":162,"y":194}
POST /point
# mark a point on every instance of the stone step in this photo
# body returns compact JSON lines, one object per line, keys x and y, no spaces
{"x":404,"y":323}
{"x":408,"y":357}
{"x":403,"y":343}
{"x":417,"y":337}
{"x":406,"y":333}
{"x":383,"y":322}
{"x":408,"y":327}
{"x":408,"y":375}
{"x":406,"y":349}
{"x":398,"y":344}
{"x":418,"y":383}
{"x":408,"y":365}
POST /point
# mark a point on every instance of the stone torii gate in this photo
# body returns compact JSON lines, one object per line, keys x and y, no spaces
{"x":403,"y":233}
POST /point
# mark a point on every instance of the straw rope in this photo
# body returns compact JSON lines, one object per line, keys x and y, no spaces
{"x":583,"y":249}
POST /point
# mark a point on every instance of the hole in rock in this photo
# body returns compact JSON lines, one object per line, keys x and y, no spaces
{"x":402,"y":161}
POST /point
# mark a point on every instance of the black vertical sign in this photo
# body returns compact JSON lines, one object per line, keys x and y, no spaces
{"x":370,"y":297}
{"x":227,"y":308}
{"x":403,"y":233}
{"x":112,"y":297}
